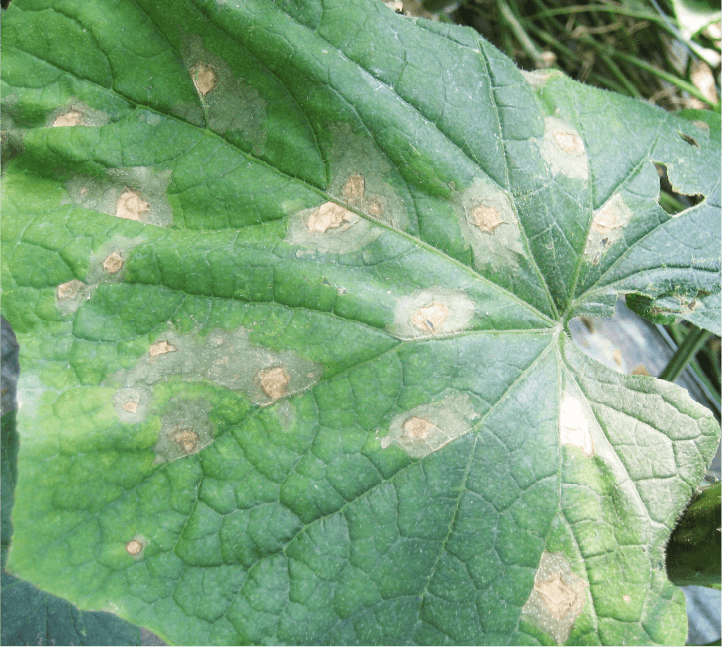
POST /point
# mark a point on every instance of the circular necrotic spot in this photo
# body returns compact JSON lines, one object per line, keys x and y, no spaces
{"x":430,"y":318}
{"x":130,"y":206}
{"x":70,"y":118}
{"x":432,"y":311}
{"x":204,"y":77}
{"x":626,"y":598}
{"x":607,"y":219}
{"x":131,"y":406}
{"x":134,"y":547}
{"x":417,"y":428}
{"x":569,"y":142}
{"x":274,"y":382}
{"x":113,"y":263}
{"x":486,"y":218}
{"x":328,"y":216}
{"x":70,"y":290}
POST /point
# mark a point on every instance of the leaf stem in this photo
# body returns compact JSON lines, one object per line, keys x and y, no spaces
{"x":694,"y":340}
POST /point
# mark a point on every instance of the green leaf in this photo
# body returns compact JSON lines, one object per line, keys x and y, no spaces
{"x":291,"y":283}
{"x":31,"y":617}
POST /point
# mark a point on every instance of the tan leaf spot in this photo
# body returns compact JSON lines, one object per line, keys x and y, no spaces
{"x":375,"y":209}
{"x":486,"y":218}
{"x":130,"y":206}
{"x":607,"y":219}
{"x":161,"y":348}
{"x":204,"y":78}
{"x":70,"y":290}
{"x":131,"y":406}
{"x":354,"y":188}
{"x":569,"y":142}
{"x":274,"y":382}
{"x":113,"y":263}
{"x":187,"y":439}
{"x":328,"y":216}
{"x":134,"y":547}
{"x":640,"y":369}
{"x":557,"y":599}
{"x":70,"y":118}
{"x":557,"y":596}
{"x":626,"y":598}
{"x":431,"y":318}
{"x":417,"y":428}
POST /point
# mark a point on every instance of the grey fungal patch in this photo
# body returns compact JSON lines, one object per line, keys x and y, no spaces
{"x":132,"y":404}
{"x":230,"y":104}
{"x":428,"y":427}
{"x":226,"y":358}
{"x":607,"y":227}
{"x":563,"y":149}
{"x":135,"y":193}
{"x":330,"y":229}
{"x":185,"y":430}
{"x":432,"y":311}
{"x":489,"y":224}
{"x":574,"y":423}
{"x":77,"y":113}
{"x":69,"y":296}
{"x":557,"y":599}
{"x":363,"y":178}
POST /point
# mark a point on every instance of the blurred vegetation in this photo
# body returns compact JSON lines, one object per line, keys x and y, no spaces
{"x":664,"y":51}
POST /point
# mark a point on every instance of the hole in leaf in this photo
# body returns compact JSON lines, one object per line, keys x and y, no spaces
{"x":690,"y":140}
{"x":669,"y":199}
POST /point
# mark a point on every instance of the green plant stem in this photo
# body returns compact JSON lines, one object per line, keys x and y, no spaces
{"x":678,"y":334}
{"x":527,"y":43}
{"x":608,"y":8}
{"x":685,"y":353}
{"x":693,"y":555}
